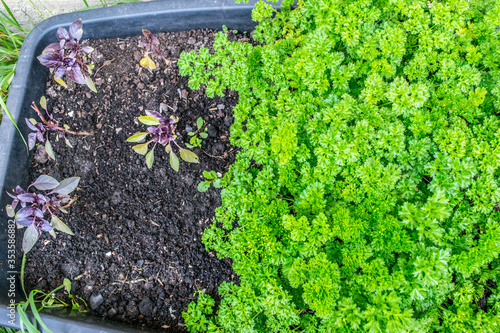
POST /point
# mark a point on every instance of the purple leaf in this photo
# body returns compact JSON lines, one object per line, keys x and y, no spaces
{"x":154,"y":129}
{"x":45,"y":183}
{"x":67,"y":186}
{"x":14,"y":203}
{"x":31,"y":235}
{"x":25,"y":221}
{"x":87,"y":49}
{"x":31,"y":140}
{"x":76,"y":75}
{"x":30,"y":125}
{"x":41,"y":199}
{"x":147,"y":34}
{"x":69,"y":61}
{"x":59,"y":72}
{"x":75,"y":29}
{"x":71,"y":45}
{"x":38,"y":213}
{"x":39,"y":136}
{"x":50,"y":60}
{"x":154,"y":114}
{"x":45,"y":225}
{"x":26,"y":211}
{"x":19,"y":190}
{"x":27,"y":197}
{"x":63,"y":34}
{"x":51,"y":48}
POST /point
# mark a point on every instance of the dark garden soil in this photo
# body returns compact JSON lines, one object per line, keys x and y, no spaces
{"x":137,"y":231}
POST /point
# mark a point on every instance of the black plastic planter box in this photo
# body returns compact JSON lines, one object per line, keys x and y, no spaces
{"x":29,"y":85}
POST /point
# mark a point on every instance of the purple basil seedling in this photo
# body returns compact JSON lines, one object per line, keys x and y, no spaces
{"x":42,"y":130}
{"x":68,"y":57}
{"x":38,"y":209}
{"x":151,"y":47}
{"x":163,"y":132}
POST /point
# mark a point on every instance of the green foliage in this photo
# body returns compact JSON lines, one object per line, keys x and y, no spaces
{"x":12,"y":36}
{"x":366,"y":194}
{"x":196,"y":316}
{"x":212,"y":178}
{"x":198,"y":135}
{"x":10,"y":46}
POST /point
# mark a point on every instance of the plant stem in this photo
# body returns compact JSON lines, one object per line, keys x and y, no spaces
{"x":22,"y":274}
{"x":69,"y":203}
{"x":51,"y":125}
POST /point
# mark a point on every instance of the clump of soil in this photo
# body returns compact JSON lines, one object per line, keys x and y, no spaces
{"x":137,"y":231}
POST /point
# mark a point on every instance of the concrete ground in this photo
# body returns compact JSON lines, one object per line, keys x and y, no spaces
{"x":31,"y":12}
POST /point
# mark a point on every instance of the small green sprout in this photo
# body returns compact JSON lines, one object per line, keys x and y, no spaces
{"x":212,"y":177}
{"x":196,"y":141}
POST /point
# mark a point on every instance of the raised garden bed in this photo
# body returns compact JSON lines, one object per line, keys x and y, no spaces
{"x":365,"y":196}
{"x":137,"y":230}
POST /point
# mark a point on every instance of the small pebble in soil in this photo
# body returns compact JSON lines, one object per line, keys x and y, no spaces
{"x":132,"y":309}
{"x":40,"y":155}
{"x":212,"y":131}
{"x":95,"y":301}
{"x":146,"y":307}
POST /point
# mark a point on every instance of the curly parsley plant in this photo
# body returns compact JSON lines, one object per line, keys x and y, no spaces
{"x":366,"y":195}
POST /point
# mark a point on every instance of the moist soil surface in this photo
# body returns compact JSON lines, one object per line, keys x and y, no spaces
{"x":137,"y":231}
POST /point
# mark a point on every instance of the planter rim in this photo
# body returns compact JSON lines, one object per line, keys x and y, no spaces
{"x":29,"y":85}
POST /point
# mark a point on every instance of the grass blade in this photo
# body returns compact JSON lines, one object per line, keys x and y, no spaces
{"x":34,"y":310}
{"x":39,"y":11}
{"x":6,"y":111}
{"x":10,"y":47}
{"x":17,"y":25}
{"x":25,"y":321}
{"x":113,"y":3}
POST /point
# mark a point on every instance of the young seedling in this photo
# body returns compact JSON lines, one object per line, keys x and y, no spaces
{"x":212,"y":177}
{"x":68,"y":57}
{"x":75,"y":305}
{"x":196,"y":141}
{"x":37,"y":209}
{"x":163,"y":132}
{"x":151,"y":47}
{"x":42,"y":130}
{"x":37,"y":300}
